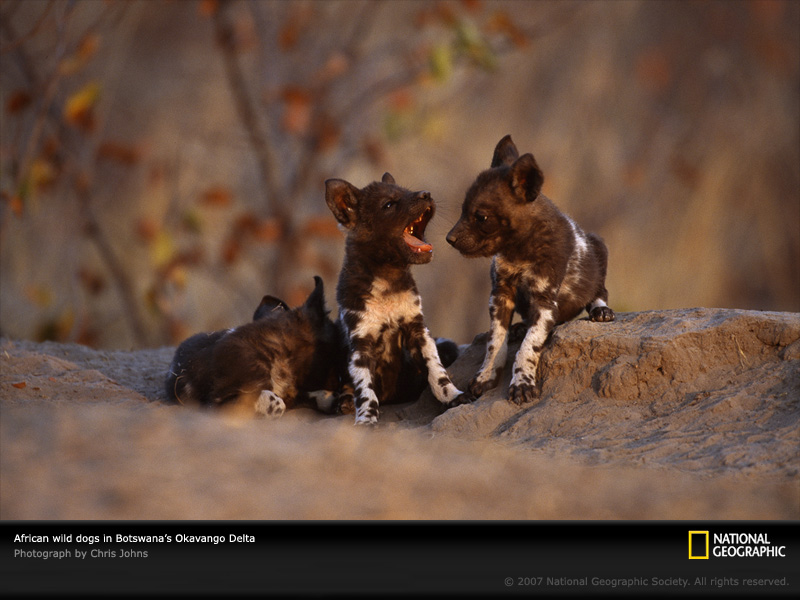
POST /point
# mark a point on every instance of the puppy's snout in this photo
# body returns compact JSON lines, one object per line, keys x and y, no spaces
{"x":452,"y":238}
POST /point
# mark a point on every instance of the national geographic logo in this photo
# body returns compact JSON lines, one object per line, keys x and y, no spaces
{"x":732,"y":545}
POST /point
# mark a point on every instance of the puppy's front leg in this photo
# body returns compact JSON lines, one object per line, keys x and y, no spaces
{"x":366,"y":401}
{"x":441,"y":385}
{"x":501,"y":311}
{"x":523,"y":382}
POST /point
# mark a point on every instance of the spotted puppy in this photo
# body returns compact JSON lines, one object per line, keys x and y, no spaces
{"x":391,"y":350}
{"x":544,"y":266}
{"x":281,"y":359}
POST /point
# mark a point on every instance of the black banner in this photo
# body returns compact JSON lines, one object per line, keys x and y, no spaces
{"x":329,"y":559}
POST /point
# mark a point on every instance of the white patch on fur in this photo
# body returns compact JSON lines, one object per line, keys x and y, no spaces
{"x":436,"y":371}
{"x":581,"y":245}
{"x":384,"y":307}
{"x":527,"y":360}
{"x":362,"y":379}
{"x":595,"y":303}
{"x":496,"y":353}
{"x":324,"y":399}
{"x":188,"y":392}
{"x":573,"y":273}
{"x":270,"y":405}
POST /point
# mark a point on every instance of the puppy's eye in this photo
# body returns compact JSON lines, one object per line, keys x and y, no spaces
{"x":481,"y":217}
{"x":389,"y":204}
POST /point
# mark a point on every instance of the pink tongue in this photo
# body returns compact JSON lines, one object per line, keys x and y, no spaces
{"x":416,"y":244}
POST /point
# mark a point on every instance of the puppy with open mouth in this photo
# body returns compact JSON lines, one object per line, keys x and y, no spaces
{"x":392,"y":355}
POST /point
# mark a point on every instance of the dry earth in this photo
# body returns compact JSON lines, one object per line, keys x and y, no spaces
{"x":683,"y":414}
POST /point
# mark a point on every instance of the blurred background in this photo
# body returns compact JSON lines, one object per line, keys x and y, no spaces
{"x":163,"y":162}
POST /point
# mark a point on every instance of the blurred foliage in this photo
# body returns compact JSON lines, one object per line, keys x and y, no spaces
{"x":162,"y":164}
{"x":305,"y":78}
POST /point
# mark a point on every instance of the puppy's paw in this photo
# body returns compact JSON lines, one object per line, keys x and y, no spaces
{"x":367,"y":421}
{"x":346,"y":405}
{"x":463,"y":398}
{"x":601,"y":314}
{"x":522,"y":393}
{"x":478,"y":386}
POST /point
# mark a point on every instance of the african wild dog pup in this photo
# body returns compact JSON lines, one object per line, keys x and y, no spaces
{"x":544,"y":267}
{"x":283,"y":358}
{"x":391,"y":350}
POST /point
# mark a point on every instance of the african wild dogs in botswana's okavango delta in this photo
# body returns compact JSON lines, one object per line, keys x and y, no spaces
{"x":281,"y":359}
{"x":544,"y":266}
{"x":392,"y":354}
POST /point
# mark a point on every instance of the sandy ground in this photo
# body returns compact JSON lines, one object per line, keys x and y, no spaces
{"x":685,"y":414}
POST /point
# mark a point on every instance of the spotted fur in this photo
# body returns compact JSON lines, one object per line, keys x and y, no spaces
{"x":392,"y":355}
{"x":281,"y":359}
{"x":544,"y":266}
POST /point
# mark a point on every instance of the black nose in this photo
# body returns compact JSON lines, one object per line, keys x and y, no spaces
{"x":451,"y":239}
{"x":424,"y":196}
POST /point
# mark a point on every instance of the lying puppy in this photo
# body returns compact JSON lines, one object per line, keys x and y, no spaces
{"x":544,"y":267}
{"x":282,"y":359}
{"x":392,"y":354}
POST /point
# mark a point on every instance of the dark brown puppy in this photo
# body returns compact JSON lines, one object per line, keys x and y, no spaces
{"x":392,"y":354}
{"x":282,"y":358}
{"x":544,"y":266}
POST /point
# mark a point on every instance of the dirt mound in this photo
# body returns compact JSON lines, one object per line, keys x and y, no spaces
{"x":700,"y":390}
{"x":689,"y":414}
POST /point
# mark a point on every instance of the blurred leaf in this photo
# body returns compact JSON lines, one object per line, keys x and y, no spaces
{"x":42,"y":173}
{"x":86,"y":49}
{"x":14,"y":203}
{"x":402,"y":100}
{"x":192,"y":221}
{"x":20,"y":385}
{"x":501,"y":22}
{"x":208,"y":8}
{"x":217,"y":196}
{"x":441,"y":62}
{"x":296,"y":24}
{"x":79,"y":106}
{"x":18,"y":101}
{"x":162,"y":248}
{"x":688,"y":173}
{"x":231,"y":250}
{"x":147,"y":229}
{"x":297,"y":110}
{"x":88,"y":46}
{"x":470,"y":42}
{"x":124,"y":154}
{"x":94,"y":282}
{"x":40,"y":295}
{"x":267,"y":230}
{"x":472,"y":6}
{"x":326,"y":134}
{"x":336,"y":66}
{"x":654,"y":69}
{"x":321,"y":227}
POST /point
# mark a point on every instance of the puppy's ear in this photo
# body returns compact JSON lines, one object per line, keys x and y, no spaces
{"x":314,"y":305}
{"x":342,"y":199}
{"x":387,"y":178}
{"x":269,"y":306}
{"x":505,"y":153}
{"x":526,"y":178}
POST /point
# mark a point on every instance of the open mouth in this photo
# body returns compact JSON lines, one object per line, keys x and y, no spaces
{"x":414,"y":233}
